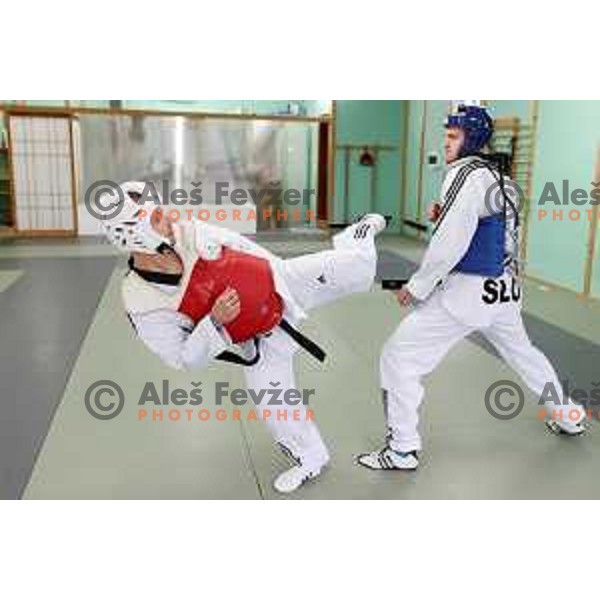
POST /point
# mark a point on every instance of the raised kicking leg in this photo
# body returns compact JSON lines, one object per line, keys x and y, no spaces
{"x":314,"y":280}
{"x":323,"y":277}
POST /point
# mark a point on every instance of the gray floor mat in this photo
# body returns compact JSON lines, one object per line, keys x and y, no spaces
{"x":45,"y":315}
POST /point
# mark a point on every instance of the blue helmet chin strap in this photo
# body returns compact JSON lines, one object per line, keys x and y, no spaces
{"x":477,"y":125}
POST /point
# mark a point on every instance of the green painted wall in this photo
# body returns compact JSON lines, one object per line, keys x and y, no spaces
{"x":410,"y":194}
{"x":433,"y":175}
{"x":369,"y":123}
{"x":511,"y":108}
{"x":426,"y":125}
{"x":568,"y":135}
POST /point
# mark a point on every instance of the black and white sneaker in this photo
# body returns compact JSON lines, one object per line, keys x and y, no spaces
{"x":389,"y":460}
{"x":378,"y":220}
{"x":568,"y":427}
{"x":370,"y":224}
{"x":290,"y":480}
{"x":364,"y":229}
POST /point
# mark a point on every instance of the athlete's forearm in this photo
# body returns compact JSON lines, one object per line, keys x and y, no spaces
{"x":176,"y":342}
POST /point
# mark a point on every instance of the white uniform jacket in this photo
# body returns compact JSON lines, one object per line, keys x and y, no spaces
{"x":466,"y":198}
{"x":152,"y":307}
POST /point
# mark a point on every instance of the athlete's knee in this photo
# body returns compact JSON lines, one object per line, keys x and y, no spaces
{"x":354,"y":272}
{"x":393,"y":359}
{"x":363,"y":253}
{"x":524,"y":355}
{"x":364,"y":277}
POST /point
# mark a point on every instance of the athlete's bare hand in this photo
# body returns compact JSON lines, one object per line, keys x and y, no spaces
{"x":404,"y":297}
{"x":433,"y":211}
{"x":227,"y":307}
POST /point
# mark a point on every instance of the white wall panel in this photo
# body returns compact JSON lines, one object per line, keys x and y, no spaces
{"x":41,"y":158}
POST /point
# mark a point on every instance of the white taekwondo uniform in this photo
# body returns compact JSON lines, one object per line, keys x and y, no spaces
{"x":451,"y":305}
{"x":303,"y":283}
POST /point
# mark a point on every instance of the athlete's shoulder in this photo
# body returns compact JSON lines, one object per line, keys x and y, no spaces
{"x":197,"y":231}
{"x":185,"y":233}
{"x":464,"y":167}
{"x":140,"y":296}
{"x":465,"y":173}
{"x":193,"y":237}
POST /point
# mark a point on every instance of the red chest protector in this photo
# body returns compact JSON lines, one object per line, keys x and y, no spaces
{"x":252,"y":278}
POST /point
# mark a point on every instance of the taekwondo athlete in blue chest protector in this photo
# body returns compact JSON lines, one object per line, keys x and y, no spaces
{"x":468,"y":281}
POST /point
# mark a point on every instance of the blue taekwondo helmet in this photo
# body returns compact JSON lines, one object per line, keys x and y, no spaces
{"x":477,"y":124}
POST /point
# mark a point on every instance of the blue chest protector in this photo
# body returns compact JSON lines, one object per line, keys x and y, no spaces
{"x":485,"y":255}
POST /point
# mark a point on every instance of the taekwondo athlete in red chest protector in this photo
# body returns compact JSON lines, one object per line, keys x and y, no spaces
{"x":468,"y":281}
{"x":197,"y":293}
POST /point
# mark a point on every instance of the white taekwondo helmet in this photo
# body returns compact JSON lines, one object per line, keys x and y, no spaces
{"x":131,"y":229}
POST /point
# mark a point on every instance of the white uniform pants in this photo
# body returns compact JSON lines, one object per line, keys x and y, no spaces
{"x":420,"y":343}
{"x":313,"y":280}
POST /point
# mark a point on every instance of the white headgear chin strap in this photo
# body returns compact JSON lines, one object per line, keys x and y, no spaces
{"x":131,"y":230}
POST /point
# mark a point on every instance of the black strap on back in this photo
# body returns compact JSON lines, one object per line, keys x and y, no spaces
{"x":502,"y":165}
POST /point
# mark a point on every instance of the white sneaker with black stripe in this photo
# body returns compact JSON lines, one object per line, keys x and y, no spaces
{"x":290,"y":480}
{"x":370,"y":224}
{"x":367,"y":226}
{"x":568,"y":427}
{"x":389,"y":460}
